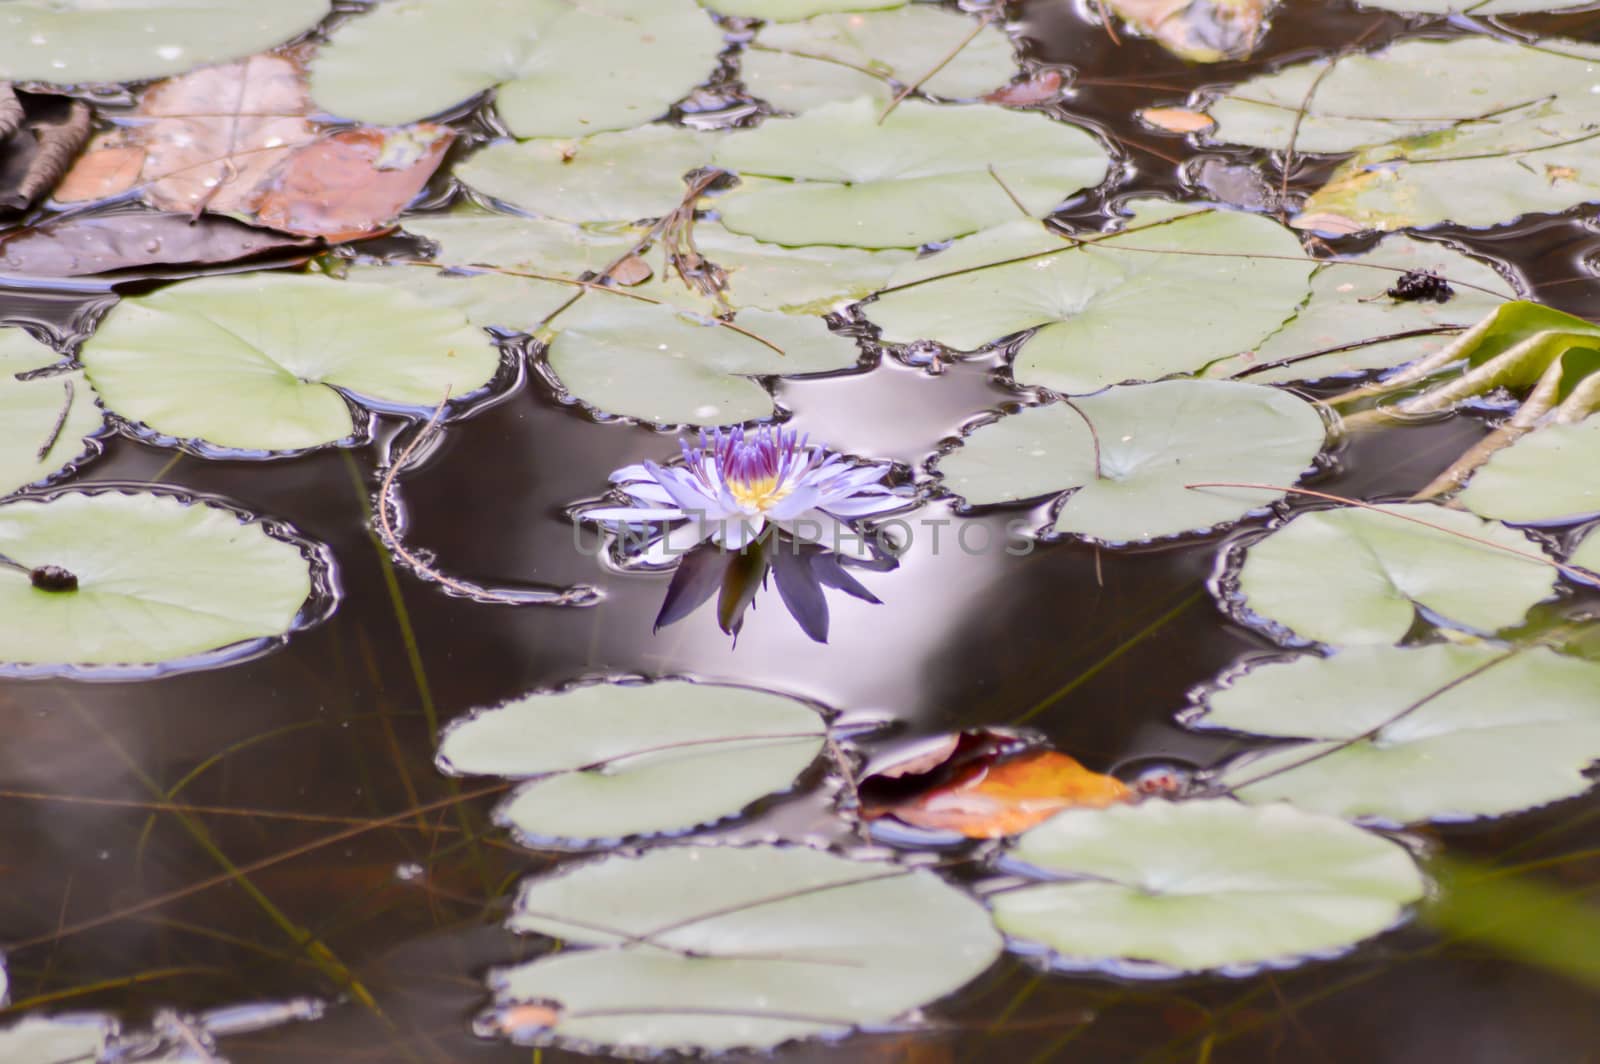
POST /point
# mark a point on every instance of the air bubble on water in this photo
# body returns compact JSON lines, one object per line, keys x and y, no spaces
{"x":410,"y":872}
{"x":169,"y":51}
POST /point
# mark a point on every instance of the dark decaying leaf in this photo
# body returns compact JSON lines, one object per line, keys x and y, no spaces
{"x":81,"y":247}
{"x":39,"y":137}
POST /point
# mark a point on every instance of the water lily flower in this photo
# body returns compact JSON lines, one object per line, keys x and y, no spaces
{"x":736,"y":483}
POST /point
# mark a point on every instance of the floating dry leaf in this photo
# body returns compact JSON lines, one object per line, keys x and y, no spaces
{"x":39,"y":135}
{"x":82,"y":247}
{"x":1176,"y":119}
{"x":1043,"y":87}
{"x":355,"y":182}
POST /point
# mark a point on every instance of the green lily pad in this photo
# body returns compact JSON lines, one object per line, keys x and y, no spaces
{"x":559,"y":69}
{"x":1349,"y":314}
{"x":1546,"y":477}
{"x":158,"y":578}
{"x":1179,"y":288}
{"x":789,"y":10}
{"x":1168,"y":888}
{"x":263,"y":362}
{"x":55,"y":413}
{"x":609,"y":177}
{"x":72,"y":41}
{"x":656,"y":364}
{"x":1476,"y":8}
{"x":1154,"y":439}
{"x":800,"y":65}
{"x":835,"y":175}
{"x":1474,"y":130}
{"x":719,"y":947}
{"x":611,"y":760}
{"x":1352,"y":576}
{"x":1587,"y":553}
{"x":1461,"y":731}
{"x":72,"y":1038}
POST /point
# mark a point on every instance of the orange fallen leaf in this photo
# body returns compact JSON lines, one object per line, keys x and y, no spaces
{"x":518,"y":1018}
{"x":990,"y":800}
{"x":1176,"y":119}
{"x":353,"y":183}
{"x":1041,"y":88}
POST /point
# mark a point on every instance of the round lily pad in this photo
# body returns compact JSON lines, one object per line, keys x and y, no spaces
{"x":717,"y":948}
{"x":658,"y":364}
{"x":836,"y":175}
{"x":1161,"y":888}
{"x":1153,"y":441}
{"x":1358,"y":327}
{"x":559,"y":69}
{"x":1354,"y":576}
{"x":71,"y":1038}
{"x":788,"y":10}
{"x":613,"y":760}
{"x":1179,"y":288}
{"x":1458,"y":731}
{"x":1547,"y":477}
{"x":266,"y":362}
{"x":800,"y":65}
{"x":50,"y":421}
{"x":620,"y":177}
{"x":139,"y":579}
{"x":71,"y":41}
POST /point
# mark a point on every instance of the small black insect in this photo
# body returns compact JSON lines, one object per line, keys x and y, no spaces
{"x":1421,"y":285}
{"x":54,"y":578}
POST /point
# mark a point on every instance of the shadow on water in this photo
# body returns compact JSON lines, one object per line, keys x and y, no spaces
{"x":116,"y":793}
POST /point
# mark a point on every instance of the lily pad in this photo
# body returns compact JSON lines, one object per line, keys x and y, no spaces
{"x":835,"y":175}
{"x":716,"y":948}
{"x":612,"y":760}
{"x":1459,"y":731}
{"x":1474,"y":130}
{"x":800,"y":65}
{"x":789,"y":10}
{"x":609,"y":177}
{"x":559,"y":69}
{"x":50,"y":421}
{"x":1351,"y":576}
{"x":72,"y":1038}
{"x":1476,"y":8}
{"x":657,"y":364}
{"x":1548,"y":477}
{"x":1162,"y":889}
{"x":1587,"y":553}
{"x":1153,"y":441}
{"x":1350,"y":314}
{"x":72,"y":41}
{"x":153,"y":579}
{"x":263,"y":363}
{"x":1179,"y":288}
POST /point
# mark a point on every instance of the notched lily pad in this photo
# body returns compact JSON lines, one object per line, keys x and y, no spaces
{"x":1178,"y":288}
{"x":1160,"y":889}
{"x":51,"y":421}
{"x":267,"y":363}
{"x":719,"y":948}
{"x":1551,"y":476}
{"x":558,"y":69}
{"x":835,"y":175}
{"x":800,"y":65}
{"x":609,"y":761}
{"x":143,"y":581}
{"x":71,"y":41}
{"x":1456,"y":732}
{"x":1359,"y":576}
{"x":1129,"y":474}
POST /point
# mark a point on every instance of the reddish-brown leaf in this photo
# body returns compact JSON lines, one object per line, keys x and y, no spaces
{"x":1043,"y":87}
{"x":354,"y":183}
{"x":1176,"y":119}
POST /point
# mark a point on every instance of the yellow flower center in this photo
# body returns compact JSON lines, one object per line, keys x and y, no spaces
{"x":758,"y":495}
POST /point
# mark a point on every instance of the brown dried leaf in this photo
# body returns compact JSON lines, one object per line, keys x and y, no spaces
{"x":80,"y":247}
{"x":50,"y":132}
{"x":1043,"y":87}
{"x":631,"y":271}
{"x":104,"y":172}
{"x":354,"y":183}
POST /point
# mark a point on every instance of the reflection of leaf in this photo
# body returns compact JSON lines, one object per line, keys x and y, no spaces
{"x":1457,"y":731}
{"x":721,"y":947}
{"x":558,"y":68}
{"x":253,"y":362}
{"x":1201,"y":31}
{"x":74,"y":41}
{"x":49,"y":421}
{"x":925,"y":173}
{"x":237,"y":140}
{"x":105,"y":243}
{"x":1130,"y":474}
{"x":611,"y":760}
{"x":991,"y":799}
{"x":1179,"y":288}
{"x":800,"y":65}
{"x":1169,"y":888}
{"x":158,"y":579}
{"x":1358,"y":576}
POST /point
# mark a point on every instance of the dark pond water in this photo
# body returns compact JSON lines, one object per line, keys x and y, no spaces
{"x":279,"y":754}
